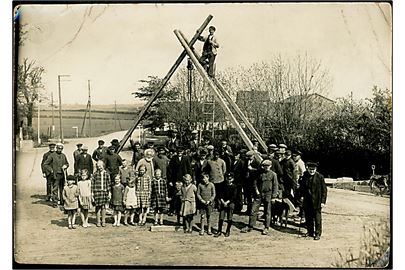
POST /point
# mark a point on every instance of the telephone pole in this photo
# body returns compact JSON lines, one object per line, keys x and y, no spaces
{"x":53,"y":119}
{"x":60,"y":106}
{"x":89,"y":105}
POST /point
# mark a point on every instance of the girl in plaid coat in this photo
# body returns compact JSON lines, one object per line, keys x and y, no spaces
{"x":159,"y":196}
{"x":143,"y":192}
{"x":100,"y":187}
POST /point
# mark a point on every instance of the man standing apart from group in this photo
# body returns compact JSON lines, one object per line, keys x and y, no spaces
{"x":209,"y":53}
{"x":314,"y":191}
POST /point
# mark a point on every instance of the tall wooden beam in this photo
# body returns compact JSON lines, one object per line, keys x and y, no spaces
{"x":163,"y":84}
{"x":232,"y":103}
{"x":217,"y":95}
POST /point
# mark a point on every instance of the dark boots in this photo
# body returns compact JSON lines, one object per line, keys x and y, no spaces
{"x":220,"y":223}
{"x":228,"y":228}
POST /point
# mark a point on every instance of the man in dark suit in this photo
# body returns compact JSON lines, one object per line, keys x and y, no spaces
{"x":173,"y":143}
{"x":252,"y":170}
{"x":46,"y":173}
{"x":56,"y":164}
{"x":238,"y":168}
{"x":289,"y":182}
{"x":84,"y":161}
{"x":138,"y":152}
{"x":199,"y":164}
{"x":179,"y":166}
{"x":314,"y":191}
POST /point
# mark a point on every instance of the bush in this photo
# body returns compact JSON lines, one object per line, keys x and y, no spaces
{"x":374,"y":250}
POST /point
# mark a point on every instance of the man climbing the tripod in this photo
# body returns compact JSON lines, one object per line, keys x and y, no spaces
{"x":209,"y":53}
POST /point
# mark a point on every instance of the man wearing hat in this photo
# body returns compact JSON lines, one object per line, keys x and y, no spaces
{"x":56,"y":164}
{"x":252,"y":172}
{"x":115,"y":143}
{"x":276,"y":167}
{"x":179,"y":166}
{"x":46,"y":173}
{"x":76,"y":153}
{"x":194,"y":143}
{"x":84,"y":161}
{"x":238,"y":168}
{"x":173,"y":142}
{"x":289,"y":179}
{"x":265,"y":189}
{"x":161,"y":161}
{"x":225,"y":152}
{"x":100,"y":152}
{"x":209,"y":53}
{"x":313,"y":190}
{"x":113,"y":162}
{"x":138,"y":152}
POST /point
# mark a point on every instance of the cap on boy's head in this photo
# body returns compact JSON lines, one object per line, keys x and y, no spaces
{"x":114,"y":141}
{"x":59,"y":145}
{"x":272,"y":146}
{"x":194,"y":132}
{"x":79,"y":144}
{"x":282,"y":145}
{"x":312,"y":164}
{"x":70,"y":178}
{"x":101,"y":142}
{"x":210,"y":147}
{"x":266,"y":162}
{"x":187,"y":177}
{"x":111,"y":147}
{"x":52,"y":144}
{"x":297,"y":153}
{"x":212,"y":27}
{"x":229,"y":175}
{"x":243,"y":151}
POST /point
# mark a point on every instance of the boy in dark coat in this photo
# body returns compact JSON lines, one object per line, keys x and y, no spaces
{"x":314,"y":191}
{"x":227,"y":198}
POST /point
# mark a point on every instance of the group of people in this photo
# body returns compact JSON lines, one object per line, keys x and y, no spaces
{"x":183,"y":179}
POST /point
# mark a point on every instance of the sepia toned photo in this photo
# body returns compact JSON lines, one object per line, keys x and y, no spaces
{"x":202,"y":135}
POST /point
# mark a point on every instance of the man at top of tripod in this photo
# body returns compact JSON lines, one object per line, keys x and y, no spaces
{"x":209,"y":53}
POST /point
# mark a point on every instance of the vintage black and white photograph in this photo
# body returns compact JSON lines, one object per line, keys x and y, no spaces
{"x":203,"y":134}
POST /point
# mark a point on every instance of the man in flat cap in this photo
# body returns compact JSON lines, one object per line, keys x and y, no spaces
{"x":209,"y":53}
{"x":76,"y":154}
{"x":313,"y":190}
{"x":84,"y":161}
{"x":113,"y":162}
{"x":57,"y":163}
{"x":100,"y":152}
{"x":116,"y":144}
{"x":47,"y":173}
{"x":265,"y":189}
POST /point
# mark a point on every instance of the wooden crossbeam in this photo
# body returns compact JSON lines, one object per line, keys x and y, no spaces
{"x":217,"y":94}
{"x":163,"y":84}
{"x":232,"y":103}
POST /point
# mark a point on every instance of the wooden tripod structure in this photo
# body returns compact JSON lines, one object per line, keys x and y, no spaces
{"x":218,"y":90}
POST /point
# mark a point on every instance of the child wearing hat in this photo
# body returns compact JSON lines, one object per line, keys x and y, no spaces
{"x":71,"y":202}
{"x":188,"y":206}
{"x":227,"y":198}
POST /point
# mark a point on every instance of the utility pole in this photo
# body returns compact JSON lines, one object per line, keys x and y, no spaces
{"x":39,"y":127}
{"x":60,"y":107}
{"x":89,"y":104}
{"x":53,"y":118}
{"x":115,"y":115}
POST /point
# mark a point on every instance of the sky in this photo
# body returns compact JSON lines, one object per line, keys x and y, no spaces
{"x":114,"y":46}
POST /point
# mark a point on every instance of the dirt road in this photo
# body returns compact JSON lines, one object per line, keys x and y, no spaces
{"x":42,"y":237}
